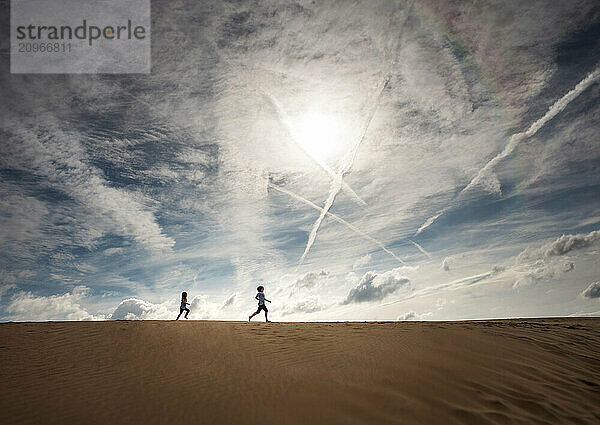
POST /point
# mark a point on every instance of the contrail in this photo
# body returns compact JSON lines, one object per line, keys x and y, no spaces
{"x":282,"y":116}
{"x":455,"y":284}
{"x":429,"y":221}
{"x":336,"y":218}
{"x":517,"y":138}
{"x":336,"y":184}
{"x":420,"y":248}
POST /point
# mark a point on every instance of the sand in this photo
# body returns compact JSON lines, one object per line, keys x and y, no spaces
{"x":202,"y":372}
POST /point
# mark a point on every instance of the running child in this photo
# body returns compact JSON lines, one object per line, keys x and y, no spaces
{"x":261,"y":304}
{"x":183,"y":306}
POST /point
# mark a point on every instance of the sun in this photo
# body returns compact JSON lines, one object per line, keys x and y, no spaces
{"x":319,"y":135}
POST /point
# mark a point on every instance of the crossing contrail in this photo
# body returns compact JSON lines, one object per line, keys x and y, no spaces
{"x":348,"y":161}
{"x":336,"y":184}
{"x":282,"y":116}
{"x":336,"y":218}
{"x":517,"y":138}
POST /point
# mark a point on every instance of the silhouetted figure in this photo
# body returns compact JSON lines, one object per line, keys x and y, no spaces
{"x":261,"y":304}
{"x":183,"y":306}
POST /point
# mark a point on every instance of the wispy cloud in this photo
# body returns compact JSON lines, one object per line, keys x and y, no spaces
{"x":283,"y":118}
{"x":336,"y":218}
{"x":592,"y":291}
{"x":345,"y":166}
{"x":420,"y":248}
{"x":485,"y":176}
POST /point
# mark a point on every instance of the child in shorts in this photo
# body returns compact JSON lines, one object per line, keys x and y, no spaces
{"x":261,"y":304}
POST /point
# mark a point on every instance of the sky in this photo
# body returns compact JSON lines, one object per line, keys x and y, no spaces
{"x":362,"y":160}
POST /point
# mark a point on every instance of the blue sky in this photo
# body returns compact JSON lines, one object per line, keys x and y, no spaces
{"x":208,"y":175}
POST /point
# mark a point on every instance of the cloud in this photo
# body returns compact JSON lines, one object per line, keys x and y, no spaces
{"x":446,"y":264}
{"x":345,"y":166}
{"x":420,"y":248}
{"x":561,"y":246}
{"x":497,"y":269}
{"x":111,"y":251}
{"x":5,"y":288}
{"x":201,"y":308}
{"x":533,"y":273}
{"x":311,"y":279}
{"x":485,"y":177}
{"x":429,"y":222}
{"x":308,"y":289}
{"x":229,"y":301}
{"x":336,"y":218}
{"x":407,"y":316}
{"x":362,"y":261}
{"x":134,"y":308}
{"x":568,"y":266}
{"x":374,"y":287}
{"x":567,"y":243}
{"x":283,"y":118}
{"x":558,"y":106}
{"x":592,"y":291}
{"x":411,"y":315}
{"x":138,"y":309}
{"x":309,"y":305}
{"x":6,"y":277}
{"x":26,"y":306}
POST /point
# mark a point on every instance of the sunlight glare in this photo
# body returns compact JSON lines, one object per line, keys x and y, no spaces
{"x":319,"y":135}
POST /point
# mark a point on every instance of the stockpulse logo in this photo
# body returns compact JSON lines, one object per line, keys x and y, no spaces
{"x":80,"y":36}
{"x":82,"y":32}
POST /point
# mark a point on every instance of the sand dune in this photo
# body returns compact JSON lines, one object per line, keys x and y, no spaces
{"x":155,"y":372}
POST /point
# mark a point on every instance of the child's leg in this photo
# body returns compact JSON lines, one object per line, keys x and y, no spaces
{"x":266,"y":316}
{"x":180,"y":311}
{"x":187,"y":311}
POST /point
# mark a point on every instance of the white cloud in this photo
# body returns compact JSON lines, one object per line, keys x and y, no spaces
{"x":229,"y":301}
{"x":407,"y":316}
{"x":311,"y":280}
{"x":566,"y":243}
{"x":411,"y":315}
{"x":111,"y":251}
{"x":26,"y":306}
{"x":560,"y":246}
{"x":137,"y":309}
{"x":532,"y":273}
{"x":362,"y":261}
{"x":592,"y":291}
{"x":309,"y":305}
{"x":544,"y":263}
{"x":373,"y":286}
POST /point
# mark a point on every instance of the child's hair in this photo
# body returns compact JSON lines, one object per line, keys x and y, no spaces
{"x":260,"y":288}
{"x":184,"y":295}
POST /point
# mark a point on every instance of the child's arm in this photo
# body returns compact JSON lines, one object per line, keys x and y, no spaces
{"x":267,"y":300}
{"x":256,"y":297}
